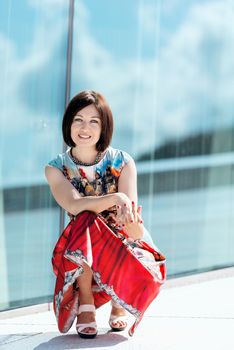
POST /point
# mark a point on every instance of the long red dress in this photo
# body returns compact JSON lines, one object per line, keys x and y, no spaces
{"x":118,"y":272}
{"x":131,"y":273}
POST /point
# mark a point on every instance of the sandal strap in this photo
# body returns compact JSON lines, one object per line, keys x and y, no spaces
{"x":114,"y":318}
{"x":81,"y":326}
{"x":86,"y":325}
{"x":86,"y":308}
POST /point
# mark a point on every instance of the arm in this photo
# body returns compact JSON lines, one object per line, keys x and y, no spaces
{"x":128,"y":181}
{"x":69,"y":198}
{"x":128,"y":185}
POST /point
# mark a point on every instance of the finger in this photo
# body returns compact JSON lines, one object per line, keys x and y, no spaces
{"x":139,"y":209}
{"x":139,"y":219}
{"x":127,"y":214}
{"x":118,"y":211}
{"x":134,"y":211}
{"x":126,"y":218}
{"x":139,"y":212}
{"x":119,"y":215}
{"x":130,"y":215}
{"x":131,"y":218}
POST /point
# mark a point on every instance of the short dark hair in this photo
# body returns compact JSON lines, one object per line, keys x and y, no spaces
{"x":80,"y":101}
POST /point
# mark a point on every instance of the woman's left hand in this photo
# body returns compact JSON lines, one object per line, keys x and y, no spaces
{"x":131,"y":225}
{"x":134,"y":230}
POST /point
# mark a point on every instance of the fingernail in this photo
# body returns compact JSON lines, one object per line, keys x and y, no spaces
{"x":133,"y":202}
{"x":132,"y":221}
{"x":123,"y":225}
{"x":125,"y":204}
{"x":141,"y":222}
{"x":118,"y":206}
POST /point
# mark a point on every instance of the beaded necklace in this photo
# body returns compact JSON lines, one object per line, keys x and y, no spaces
{"x":79,"y":162}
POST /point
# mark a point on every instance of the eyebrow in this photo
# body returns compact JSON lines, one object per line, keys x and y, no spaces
{"x":93,"y":116}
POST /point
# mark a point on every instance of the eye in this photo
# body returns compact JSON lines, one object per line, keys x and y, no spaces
{"x":77,"y":119}
{"x":94,"y":121}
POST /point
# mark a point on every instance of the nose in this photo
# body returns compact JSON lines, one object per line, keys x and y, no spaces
{"x":84,"y":125}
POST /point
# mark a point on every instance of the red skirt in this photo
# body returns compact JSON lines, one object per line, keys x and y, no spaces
{"x":128,"y":272}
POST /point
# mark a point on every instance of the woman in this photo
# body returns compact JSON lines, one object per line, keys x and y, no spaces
{"x":104,"y":248}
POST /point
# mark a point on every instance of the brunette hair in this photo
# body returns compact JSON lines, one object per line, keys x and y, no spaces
{"x":80,"y":101}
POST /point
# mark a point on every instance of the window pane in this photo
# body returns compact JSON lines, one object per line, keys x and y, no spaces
{"x":166,"y":68}
{"x":33,"y":40}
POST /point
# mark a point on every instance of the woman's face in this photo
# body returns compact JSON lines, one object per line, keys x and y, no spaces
{"x":86,"y":127}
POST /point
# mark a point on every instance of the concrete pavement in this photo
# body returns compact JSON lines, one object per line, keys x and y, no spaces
{"x":194,"y":312}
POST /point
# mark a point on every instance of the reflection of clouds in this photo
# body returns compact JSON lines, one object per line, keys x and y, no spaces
{"x":48,"y":7}
{"x":185,"y":87}
{"x":195,"y":69}
{"x":182,"y":90}
{"x":148,"y":13}
{"x":33,"y":92}
{"x":169,"y":7}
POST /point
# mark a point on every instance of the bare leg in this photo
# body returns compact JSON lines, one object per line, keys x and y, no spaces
{"x":86,"y":297}
{"x":118,"y":311}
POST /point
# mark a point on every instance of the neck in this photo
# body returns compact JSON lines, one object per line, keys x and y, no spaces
{"x":83,"y":155}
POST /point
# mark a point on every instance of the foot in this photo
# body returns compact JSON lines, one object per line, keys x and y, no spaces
{"x":118,"y":318}
{"x":86,"y":315}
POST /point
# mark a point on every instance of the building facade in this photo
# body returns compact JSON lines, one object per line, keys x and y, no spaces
{"x":166,"y":70}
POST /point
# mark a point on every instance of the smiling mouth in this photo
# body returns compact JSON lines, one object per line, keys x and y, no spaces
{"x":84,"y":137}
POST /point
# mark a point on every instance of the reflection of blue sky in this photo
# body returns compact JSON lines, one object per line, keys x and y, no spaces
{"x":125,"y":20}
{"x":166,"y":67}
{"x":167,"y":72}
{"x":33,"y":36}
{"x":16,"y":20}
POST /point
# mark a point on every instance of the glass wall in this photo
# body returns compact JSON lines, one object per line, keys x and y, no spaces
{"x":33,"y":45}
{"x":166,"y":69}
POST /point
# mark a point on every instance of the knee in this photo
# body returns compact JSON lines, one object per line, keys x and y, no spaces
{"x":85,"y":214}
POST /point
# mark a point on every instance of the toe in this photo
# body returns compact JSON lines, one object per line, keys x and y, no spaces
{"x":119,"y":324}
{"x":88,"y":330}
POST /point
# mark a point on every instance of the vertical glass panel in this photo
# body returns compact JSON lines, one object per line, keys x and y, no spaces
{"x":33,"y":40}
{"x":166,"y":69}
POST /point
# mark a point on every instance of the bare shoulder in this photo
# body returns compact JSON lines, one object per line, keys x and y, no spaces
{"x":129,"y":168}
{"x":53,"y":174}
{"x":128,"y":180}
{"x":128,"y":173}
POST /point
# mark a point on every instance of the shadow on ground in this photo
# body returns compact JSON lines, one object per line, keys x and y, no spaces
{"x":105,"y":338}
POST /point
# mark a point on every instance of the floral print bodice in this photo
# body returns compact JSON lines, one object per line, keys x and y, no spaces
{"x":94,"y":180}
